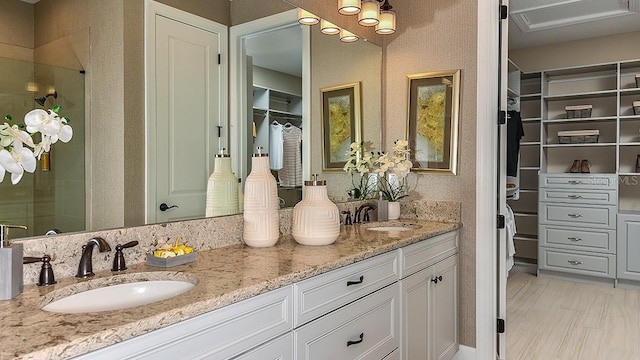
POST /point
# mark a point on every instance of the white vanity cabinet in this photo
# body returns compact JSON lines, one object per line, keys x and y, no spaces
{"x":429,"y":299}
{"x":629,"y":246}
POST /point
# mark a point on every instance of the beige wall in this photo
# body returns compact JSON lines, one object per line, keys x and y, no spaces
{"x":575,"y":53}
{"x":243,"y":11}
{"x":440,"y":35}
{"x":16,"y":30}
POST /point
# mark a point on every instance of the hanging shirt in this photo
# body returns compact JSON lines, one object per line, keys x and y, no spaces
{"x":291,"y":172}
{"x":276,"y":143}
{"x":514,"y":133}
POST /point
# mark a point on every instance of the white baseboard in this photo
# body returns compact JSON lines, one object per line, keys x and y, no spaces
{"x":465,"y":353}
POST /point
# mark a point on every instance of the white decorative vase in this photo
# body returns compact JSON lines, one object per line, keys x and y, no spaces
{"x":394,"y":210}
{"x":261,"y":217}
{"x":222,"y":189}
{"x":316,"y":219}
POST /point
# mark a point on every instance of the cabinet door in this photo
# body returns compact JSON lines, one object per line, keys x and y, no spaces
{"x":444,"y":309}
{"x":414,"y":292}
{"x":628,"y":247}
{"x":277,"y":349}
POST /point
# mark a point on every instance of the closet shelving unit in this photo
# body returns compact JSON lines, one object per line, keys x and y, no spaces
{"x":527,"y":88}
{"x":611,"y":89}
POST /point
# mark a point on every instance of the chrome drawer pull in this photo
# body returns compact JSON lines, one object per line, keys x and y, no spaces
{"x":350,"y":342}
{"x":575,"y":239}
{"x":349,"y":283}
{"x":575,"y":182}
{"x":574,"y":196}
{"x":573,"y":262}
{"x":574,"y":215}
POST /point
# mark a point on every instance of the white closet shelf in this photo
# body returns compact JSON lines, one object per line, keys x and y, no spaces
{"x":531,"y":119}
{"x":630,"y":117}
{"x":630,"y":144}
{"x":530,"y":168}
{"x":578,"y":145}
{"x":529,"y":143}
{"x":577,"y":120}
{"x":525,"y":238}
{"x":631,"y":91}
{"x":525,"y":214}
{"x":535,"y":96}
{"x":582,"y":95}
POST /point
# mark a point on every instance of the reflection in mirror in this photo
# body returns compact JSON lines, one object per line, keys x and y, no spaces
{"x":112,"y":101}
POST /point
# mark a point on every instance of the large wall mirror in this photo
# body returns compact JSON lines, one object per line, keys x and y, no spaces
{"x":104,"y":97}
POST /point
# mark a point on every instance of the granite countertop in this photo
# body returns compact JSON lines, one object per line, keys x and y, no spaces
{"x":225,"y":275}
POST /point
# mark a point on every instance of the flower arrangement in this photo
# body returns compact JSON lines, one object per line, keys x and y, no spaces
{"x":390,"y":170}
{"x":15,"y":157}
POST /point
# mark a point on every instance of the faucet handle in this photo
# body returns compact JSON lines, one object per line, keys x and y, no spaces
{"x":46,"y":273}
{"x":118,"y":260}
{"x":347,"y":218}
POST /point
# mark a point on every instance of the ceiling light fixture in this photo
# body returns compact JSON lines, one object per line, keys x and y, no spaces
{"x":370,"y":14}
{"x":387,"y":24}
{"x":347,"y":36}
{"x":307,"y":18}
{"x":328,"y":28}
{"x":349,"y":7}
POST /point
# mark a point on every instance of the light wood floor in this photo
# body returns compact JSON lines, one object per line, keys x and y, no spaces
{"x":549,"y":319}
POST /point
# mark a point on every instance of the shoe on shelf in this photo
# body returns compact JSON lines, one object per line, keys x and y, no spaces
{"x":575,"y":168}
{"x":584,"y":166}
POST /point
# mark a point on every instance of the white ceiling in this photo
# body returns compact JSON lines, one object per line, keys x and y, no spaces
{"x":542,"y":22}
{"x":279,"y":50}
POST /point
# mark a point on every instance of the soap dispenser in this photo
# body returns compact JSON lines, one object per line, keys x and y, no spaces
{"x":316,"y":219}
{"x":261,"y":217}
{"x":11,"y":276}
{"x":222,"y":188}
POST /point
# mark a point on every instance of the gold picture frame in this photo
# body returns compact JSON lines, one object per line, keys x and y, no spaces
{"x":341,"y":123}
{"x":432,"y":121}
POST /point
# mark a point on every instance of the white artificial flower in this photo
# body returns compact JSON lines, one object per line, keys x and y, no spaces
{"x":38,"y":120}
{"x":13,"y":133}
{"x":2,"y":171}
{"x":16,"y":162}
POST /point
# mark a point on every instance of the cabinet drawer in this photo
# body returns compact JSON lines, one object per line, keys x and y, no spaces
{"x":578,"y":239}
{"x":395,"y":355}
{"x":277,"y":349}
{"x":602,"y":265}
{"x":364,"y":329}
{"x":317,"y":296}
{"x":590,"y":216}
{"x":428,"y":252}
{"x":593,"y":197}
{"x":579,"y":181}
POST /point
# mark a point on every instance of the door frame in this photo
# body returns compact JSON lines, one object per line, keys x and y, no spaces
{"x":151,"y":10}
{"x":486,"y":181}
{"x":238,"y":89}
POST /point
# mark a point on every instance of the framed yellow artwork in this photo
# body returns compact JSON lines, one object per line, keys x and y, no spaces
{"x":341,"y":123}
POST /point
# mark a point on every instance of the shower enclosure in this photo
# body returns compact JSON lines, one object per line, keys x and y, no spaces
{"x":53,"y":199}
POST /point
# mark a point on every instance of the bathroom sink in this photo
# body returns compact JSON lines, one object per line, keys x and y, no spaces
{"x":394,"y":227}
{"x":108,"y":295}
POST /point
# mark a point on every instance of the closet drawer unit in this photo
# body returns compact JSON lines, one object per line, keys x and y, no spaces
{"x":590,"y":197}
{"x":578,"y":238}
{"x":317,"y":296}
{"x":579,"y":181}
{"x":601,"y":265}
{"x":591,"y":216}
{"x":365,"y":329}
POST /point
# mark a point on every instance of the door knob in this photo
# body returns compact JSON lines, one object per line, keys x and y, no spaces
{"x":165,"y":207}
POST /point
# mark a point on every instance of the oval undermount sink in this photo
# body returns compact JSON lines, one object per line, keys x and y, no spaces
{"x":390,"y":228}
{"x":122,"y":293}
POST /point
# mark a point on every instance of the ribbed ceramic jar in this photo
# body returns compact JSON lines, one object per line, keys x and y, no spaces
{"x":316,"y":219}
{"x":222,"y":189}
{"x":261,"y":217}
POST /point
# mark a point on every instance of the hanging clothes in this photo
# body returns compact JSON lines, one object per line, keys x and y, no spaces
{"x":276,"y":144}
{"x":291,"y":172}
{"x":510,"y":225}
{"x":515,"y":132}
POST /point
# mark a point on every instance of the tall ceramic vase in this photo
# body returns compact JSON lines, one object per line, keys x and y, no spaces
{"x":394,"y":210}
{"x":316,"y":219}
{"x":222,"y":189}
{"x":261,"y":217}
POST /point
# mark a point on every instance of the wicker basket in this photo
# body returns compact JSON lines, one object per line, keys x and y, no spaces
{"x":578,"y":137}
{"x":578,"y":111}
{"x":636,"y":107}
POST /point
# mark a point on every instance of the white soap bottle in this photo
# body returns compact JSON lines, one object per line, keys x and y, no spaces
{"x":222,"y":188}
{"x":261,"y":216}
{"x":316,"y":219}
{"x":11,"y":276}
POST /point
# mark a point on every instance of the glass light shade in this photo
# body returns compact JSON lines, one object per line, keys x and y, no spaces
{"x":349,"y":7}
{"x":328,"y":28}
{"x":370,"y":14}
{"x":347,"y":36}
{"x":307,"y":18}
{"x":387,"y":24}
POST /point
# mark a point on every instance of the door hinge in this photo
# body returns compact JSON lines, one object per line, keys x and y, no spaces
{"x":219,"y":59}
{"x":501,"y":325}
{"x":504,"y":12}
{"x":502,"y":117}
{"x":501,"y":222}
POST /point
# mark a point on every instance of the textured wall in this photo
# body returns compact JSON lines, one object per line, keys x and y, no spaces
{"x":243,"y":11}
{"x":440,"y":35}
{"x":574,"y":53}
{"x":16,"y":23}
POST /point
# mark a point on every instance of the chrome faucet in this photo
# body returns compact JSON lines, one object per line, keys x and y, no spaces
{"x":366,"y":207}
{"x":85,"y":269}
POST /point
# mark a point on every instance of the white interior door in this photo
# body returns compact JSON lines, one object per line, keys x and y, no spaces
{"x":185,"y":104}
